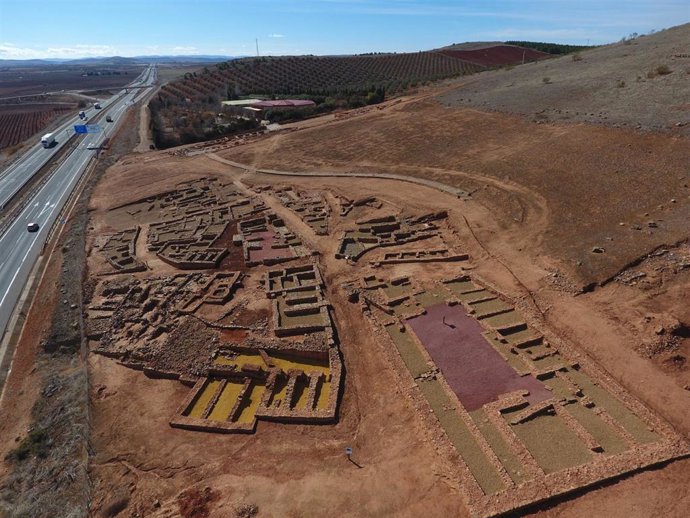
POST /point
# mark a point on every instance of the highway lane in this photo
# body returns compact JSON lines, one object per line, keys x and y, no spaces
{"x":17,"y":174}
{"x":20,"y":249}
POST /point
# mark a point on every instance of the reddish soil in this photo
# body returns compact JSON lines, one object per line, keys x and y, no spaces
{"x":499,"y":55}
{"x":195,"y":504}
{"x":23,"y":384}
{"x":19,"y":122}
{"x":296,"y":470}
{"x":233,"y":335}
{"x":53,"y":78}
{"x":266,"y":251}
{"x":542,"y":197}
{"x":563,"y":189}
{"x":473,"y":369}
{"x":234,"y":260}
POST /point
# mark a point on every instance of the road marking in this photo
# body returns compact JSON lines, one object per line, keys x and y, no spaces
{"x":14,"y":277}
{"x":44,"y":209}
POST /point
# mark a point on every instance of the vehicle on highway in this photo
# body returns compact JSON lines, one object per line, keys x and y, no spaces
{"x":97,"y":106}
{"x":108,"y":118}
{"x":32,"y":227}
{"x":48,"y":140}
{"x":82,"y":115}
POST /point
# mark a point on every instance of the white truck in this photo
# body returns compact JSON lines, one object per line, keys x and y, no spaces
{"x":48,"y":140}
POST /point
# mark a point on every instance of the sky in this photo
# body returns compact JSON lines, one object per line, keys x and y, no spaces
{"x":88,"y":28}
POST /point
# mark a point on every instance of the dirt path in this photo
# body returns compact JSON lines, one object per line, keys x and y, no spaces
{"x":384,"y":176}
{"x":145,"y":137}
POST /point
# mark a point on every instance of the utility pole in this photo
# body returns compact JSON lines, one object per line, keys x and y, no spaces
{"x":523,"y":56}
{"x":257,"y":47}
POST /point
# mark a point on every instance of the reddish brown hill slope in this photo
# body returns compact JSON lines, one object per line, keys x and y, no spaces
{"x":497,"y":55}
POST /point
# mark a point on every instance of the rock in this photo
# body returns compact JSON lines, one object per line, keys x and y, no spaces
{"x":156,"y":503}
{"x":652,"y":224}
{"x":660,"y":330}
{"x":598,"y":250}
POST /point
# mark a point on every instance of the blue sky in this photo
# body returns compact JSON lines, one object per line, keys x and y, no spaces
{"x":71,"y":28}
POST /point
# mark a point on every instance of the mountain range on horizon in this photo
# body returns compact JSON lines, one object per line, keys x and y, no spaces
{"x":120,"y":60}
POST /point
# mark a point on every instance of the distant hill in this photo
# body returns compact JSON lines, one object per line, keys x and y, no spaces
{"x":115,"y":60}
{"x":551,"y":48}
{"x":472,"y":45}
{"x":497,"y":55}
{"x":26,"y":63}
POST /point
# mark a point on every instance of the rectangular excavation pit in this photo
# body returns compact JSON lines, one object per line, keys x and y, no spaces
{"x":474,"y":370}
{"x":578,"y":433}
{"x":550,"y":441}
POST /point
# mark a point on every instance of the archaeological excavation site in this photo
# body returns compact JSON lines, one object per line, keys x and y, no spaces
{"x":229,"y":309}
{"x":382,"y":283}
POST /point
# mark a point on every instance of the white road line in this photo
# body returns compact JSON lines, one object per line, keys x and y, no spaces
{"x":9,"y":287}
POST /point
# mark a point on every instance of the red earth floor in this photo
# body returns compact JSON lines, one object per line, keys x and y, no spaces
{"x":266,"y":251}
{"x":474,"y":370}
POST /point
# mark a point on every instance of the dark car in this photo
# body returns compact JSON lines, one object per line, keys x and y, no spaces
{"x":32,"y":227}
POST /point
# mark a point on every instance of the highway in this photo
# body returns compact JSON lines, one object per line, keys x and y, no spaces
{"x":20,"y":249}
{"x":14,"y":177}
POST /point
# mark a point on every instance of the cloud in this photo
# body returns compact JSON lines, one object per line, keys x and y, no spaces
{"x":185,"y":50}
{"x":275,"y":35}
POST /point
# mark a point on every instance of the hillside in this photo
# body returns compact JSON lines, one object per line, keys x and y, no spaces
{"x":498,"y":55}
{"x":185,"y":110}
{"x":324,"y":75}
{"x":642,"y":84}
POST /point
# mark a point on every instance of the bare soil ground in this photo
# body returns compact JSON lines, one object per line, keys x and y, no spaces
{"x":54,"y":78}
{"x":567,"y":189}
{"x":288,"y":470}
{"x":616,"y":85}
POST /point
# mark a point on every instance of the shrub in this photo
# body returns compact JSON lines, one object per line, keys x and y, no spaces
{"x":36,"y":444}
{"x":620,"y":83}
{"x":577,"y":57}
{"x":546,"y":80}
{"x":115,"y":507}
{"x":660,"y":70}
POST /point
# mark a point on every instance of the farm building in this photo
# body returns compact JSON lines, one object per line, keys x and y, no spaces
{"x":258,"y":109}
{"x":241,"y":102}
{"x":283,"y":103}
